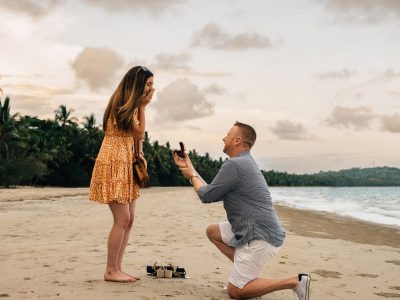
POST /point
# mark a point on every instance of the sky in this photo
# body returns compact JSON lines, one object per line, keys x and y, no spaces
{"x":319,"y":80}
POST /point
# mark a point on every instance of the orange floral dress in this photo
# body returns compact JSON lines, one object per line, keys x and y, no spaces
{"x":112,"y":177}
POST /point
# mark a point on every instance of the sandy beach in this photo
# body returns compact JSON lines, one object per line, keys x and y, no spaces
{"x":53,"y":246}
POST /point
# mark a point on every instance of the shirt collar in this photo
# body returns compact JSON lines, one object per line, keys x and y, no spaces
{"x":243,"y":153}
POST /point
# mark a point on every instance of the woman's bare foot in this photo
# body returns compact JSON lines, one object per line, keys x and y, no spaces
{"x":132,"y":276}
{"x":118,"y":276}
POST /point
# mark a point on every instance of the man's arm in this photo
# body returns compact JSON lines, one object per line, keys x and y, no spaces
{"x":197,"y":182}
{"x":225,"y":181}
{"x":189,"y":172}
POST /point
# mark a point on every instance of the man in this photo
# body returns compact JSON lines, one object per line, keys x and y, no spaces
{"x":253,"y":233}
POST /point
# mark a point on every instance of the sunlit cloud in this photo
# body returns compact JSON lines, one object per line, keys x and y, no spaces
{"x":172,"y":62}
{"x":31,"y":8}
{"x":97,"y":66}
{"x":182,"y":100}
{"x":391,"y":123}
{"x":341,"y":74}
{"x":27,"y":104}
{"x":289,"y":130}
{"x":212,"y":36}
{"x":214,"y":89}
{"x":348,"y":117}
{"x":38,"y":90}
{"x":153,"y":7}
{"x":180,"y":63}
{"x":366,"y":11}
{"x":391,"y":74}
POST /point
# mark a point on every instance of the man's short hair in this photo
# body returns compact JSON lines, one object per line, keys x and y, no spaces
{"x":248,"y":133}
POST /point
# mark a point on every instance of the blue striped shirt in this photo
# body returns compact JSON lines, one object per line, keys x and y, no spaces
{"x":247,"y":201}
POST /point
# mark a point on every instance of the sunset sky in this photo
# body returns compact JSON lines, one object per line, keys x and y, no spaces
{"x":318,"y":79}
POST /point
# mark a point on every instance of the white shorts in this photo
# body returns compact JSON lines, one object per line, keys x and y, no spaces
{"x":249,"y":259}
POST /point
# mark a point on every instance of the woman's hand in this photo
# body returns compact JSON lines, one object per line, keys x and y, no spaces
{"x":141,"y":157}
{"x":146,"y":97}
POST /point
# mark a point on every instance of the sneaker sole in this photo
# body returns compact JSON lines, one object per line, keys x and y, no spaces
{"x":308,"y":287}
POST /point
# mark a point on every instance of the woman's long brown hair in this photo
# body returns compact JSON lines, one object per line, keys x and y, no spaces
{"x":126,"y":98}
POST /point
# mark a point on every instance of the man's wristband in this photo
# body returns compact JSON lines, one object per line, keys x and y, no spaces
{"x":190,"y":179}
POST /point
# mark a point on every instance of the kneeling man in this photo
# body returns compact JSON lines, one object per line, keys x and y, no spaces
{"x":253,"y":234}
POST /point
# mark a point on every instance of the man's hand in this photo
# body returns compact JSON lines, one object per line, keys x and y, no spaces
{"x":185,"y":165}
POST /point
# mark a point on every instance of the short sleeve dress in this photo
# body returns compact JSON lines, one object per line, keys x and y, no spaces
{"x":112,"y":177}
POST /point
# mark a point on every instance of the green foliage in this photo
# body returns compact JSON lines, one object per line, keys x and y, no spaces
{"x":381,"y":176}
{"x":62,"y":152}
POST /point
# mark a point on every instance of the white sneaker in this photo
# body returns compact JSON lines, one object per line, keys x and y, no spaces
{"x":302,"y":290}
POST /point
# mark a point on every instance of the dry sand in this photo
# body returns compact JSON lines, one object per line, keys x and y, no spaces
{"x":53,"y":246}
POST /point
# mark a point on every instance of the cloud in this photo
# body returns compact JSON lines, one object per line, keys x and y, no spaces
{"x":391,"y":74}
{"x":7,"y":76}
{"x":97,"y":66}
{"x":38,"y":90}
{"x":172,"y":62}
{"x":30,"y":105}
{"x":180,"y":63}
{"x":154,"y":7}
{"x":210,"y":74}
{"x":182,"y":100}
{"x":391,"y":123}
{"x":342,"y":74}
{"x":212,"y":36}
{"x":288,"y":130}
{"x":33,"y":9}
{"x":368,"y":11}
{"x":346,"y":117}
{"x":214,"y":89}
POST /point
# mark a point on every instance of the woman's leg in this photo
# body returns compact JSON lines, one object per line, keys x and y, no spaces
{"x":132,"y":206}
{"x":115,"y":239}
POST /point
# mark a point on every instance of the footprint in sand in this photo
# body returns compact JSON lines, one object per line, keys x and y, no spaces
{"x":328,"y":274}
{"x":396,"y":262}
{"x":367,"y":275}
{"x":388,"y":295}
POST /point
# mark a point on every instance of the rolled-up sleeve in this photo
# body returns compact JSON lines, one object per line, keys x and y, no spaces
{"x":225,"y":181}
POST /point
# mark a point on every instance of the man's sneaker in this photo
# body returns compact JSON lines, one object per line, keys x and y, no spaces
{"x":302,"y":290}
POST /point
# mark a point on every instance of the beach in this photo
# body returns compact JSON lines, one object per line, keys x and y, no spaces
{"x":53,"y":246}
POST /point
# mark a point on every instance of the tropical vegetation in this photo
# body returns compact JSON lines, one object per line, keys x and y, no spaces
{"x":62,"y":152}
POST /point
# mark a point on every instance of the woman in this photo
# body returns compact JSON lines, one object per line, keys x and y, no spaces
{"x":112,"y":179}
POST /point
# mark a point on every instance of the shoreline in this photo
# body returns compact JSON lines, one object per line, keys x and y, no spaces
{"x":283,"y":207}
{"x":54,"y":246}
{"x":334,"y":226}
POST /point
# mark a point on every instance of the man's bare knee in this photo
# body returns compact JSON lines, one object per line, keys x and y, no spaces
{"x":234,"y":292}
{"x":211,"y":231}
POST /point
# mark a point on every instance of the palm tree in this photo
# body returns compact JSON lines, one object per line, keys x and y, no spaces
{"x":90,"y":122}
{"x":90,"y":126}
{"x":7,"y":126}
{"x":63,"y":116}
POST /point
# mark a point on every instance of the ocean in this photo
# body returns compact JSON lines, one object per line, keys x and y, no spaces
{"x":374,"y":204}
